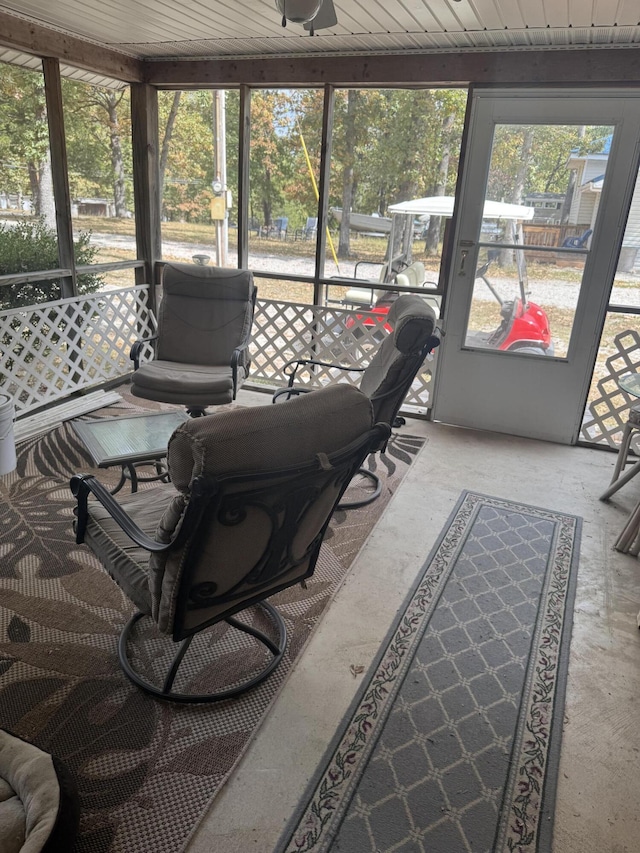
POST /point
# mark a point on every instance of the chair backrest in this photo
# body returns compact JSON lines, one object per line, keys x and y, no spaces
{"x":205,"y":313}
{"x":256,"y":488}
{"x":412,"y":276}
{"x":391,"y":371}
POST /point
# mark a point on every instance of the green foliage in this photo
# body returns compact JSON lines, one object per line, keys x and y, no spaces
{"x":191,"y":163}
{"x":98,"y":138}
{"x":29,"y":246}
{"x":546,"y":166}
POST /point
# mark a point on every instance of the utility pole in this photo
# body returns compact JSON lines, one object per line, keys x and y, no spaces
{"x":220,"y":180}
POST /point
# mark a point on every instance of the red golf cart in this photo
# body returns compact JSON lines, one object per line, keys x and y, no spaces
{"x":524,"y":325}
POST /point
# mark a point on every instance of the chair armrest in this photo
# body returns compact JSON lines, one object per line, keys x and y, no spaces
{"x":303,"y":362}
{"x":83,"y":484}
{"x":290,"y":392}
{"x":137,"y":348}
{"x":238,"y":357}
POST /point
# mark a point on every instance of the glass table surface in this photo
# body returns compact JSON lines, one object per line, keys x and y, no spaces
{"x":137,"y":438}
{"x":630,"y":383}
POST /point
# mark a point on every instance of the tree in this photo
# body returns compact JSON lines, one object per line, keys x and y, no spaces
{"x":109,"y":101}
{"x":452,"y":105}
{"x":267,"y":146}
{"x":97,"y":123}
{"x":166,"y":141}
{"x":24,"y":139}
{"x":348,"y":178}
{"x":188,"y":170}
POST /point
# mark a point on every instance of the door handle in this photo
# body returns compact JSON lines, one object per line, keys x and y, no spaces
{"x":465,"y":246}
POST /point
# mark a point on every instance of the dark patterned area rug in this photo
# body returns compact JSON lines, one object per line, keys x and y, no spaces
{"x":146,"y":770}
{"x":452,"y":744}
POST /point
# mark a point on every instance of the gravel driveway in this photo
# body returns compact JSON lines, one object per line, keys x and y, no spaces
{"x":544,"y":292}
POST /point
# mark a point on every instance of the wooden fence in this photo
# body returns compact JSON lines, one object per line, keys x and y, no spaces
{"x":550,"y":235}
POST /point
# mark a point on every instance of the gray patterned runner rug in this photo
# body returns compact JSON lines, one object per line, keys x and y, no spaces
{"x":452,"y":744}
{"x":146,"y":770}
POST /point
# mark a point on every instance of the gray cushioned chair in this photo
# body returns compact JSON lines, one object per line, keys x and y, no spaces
{"x":251,"y":494}
{"x":204,"y":330}
{"x":390,"y":373}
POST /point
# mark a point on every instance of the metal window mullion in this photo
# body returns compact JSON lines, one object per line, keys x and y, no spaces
{"x":323,"y":190}
{"x":244,"y":147}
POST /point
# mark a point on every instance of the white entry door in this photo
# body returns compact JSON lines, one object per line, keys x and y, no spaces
{"x":528,"y":286}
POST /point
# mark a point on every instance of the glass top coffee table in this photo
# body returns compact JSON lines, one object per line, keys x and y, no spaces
{"x":130,"y":441}
{"x":630,"y":383}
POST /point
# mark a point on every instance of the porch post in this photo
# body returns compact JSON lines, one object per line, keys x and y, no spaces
{"x":144,"y":123}
{"x":59,"y":174}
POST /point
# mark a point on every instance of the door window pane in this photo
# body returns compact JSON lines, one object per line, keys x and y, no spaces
{"x":525,"y":299}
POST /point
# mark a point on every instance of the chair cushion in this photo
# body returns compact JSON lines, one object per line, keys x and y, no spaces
{"x":127,"y":563}
{"x":413,"y":275}
{"x":412,"y":320}
{"x":39,"y":809}
{"x":267,"y":438}
{"x":205,"y":313}
{"x":184,"y":384}
{"x":252,"y":440}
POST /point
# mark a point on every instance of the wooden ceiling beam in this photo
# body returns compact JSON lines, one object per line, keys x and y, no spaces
{"x":524,"y":67}
{"x":30,"y":37}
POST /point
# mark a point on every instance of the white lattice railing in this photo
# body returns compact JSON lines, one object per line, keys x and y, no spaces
{"x":286,"y":330}
{"x":606,"y":414}
{"x":49,"y":351}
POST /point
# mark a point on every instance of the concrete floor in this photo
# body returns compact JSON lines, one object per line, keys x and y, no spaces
{"x":599,"y":784}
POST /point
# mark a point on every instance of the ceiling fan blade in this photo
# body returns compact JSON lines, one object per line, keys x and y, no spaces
{"x":325,"y":18}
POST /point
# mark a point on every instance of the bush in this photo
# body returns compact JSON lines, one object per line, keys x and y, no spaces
{"x":27,"y":245}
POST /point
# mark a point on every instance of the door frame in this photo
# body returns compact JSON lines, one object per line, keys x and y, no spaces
{"x":464,"y":393}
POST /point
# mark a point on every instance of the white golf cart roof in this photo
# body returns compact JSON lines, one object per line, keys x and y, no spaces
{"x":442,"y":205}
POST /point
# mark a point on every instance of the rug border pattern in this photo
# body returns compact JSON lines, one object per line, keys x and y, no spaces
{"x":316,"y":822}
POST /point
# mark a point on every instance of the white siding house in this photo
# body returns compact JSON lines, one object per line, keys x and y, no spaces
{"x":590,"y":172}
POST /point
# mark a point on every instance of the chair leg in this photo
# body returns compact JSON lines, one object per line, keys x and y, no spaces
{"x":370,"y":498}
{"x":619,"y":478}
{"x":166,"y":692}
{"x":196,"y":411}
{"x":621,"y":461}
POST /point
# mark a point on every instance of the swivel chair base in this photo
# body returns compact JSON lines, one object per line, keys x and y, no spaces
{"x":166,"y":692}
{"x":369,"y":498}
{"x":196,"y":411}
